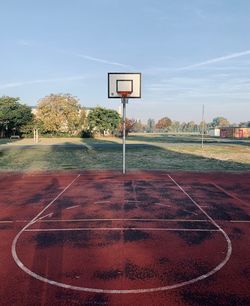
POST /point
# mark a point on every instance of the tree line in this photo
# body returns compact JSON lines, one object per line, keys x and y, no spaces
{"x":165,"y":124}
{"x":56,"y":115}
{"x":63,"y":115}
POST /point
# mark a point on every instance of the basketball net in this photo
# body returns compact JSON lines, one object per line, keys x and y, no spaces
{"x":124,"y":94}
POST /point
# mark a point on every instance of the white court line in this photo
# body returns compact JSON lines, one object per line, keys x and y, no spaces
{"x":72,"y":206}
{"x":188,"y":211}
{"x":40,"y":220}
{"x":120,"y":229}
{"x":48,"y":215}
{"x":137,"y":220}
{"x":230,"y":194}
{"x":162,"y":204}
{"x":238,"y":221}
{"x":100,"y":220}
{"x":101,"y":202}
{"x":7,"y":221}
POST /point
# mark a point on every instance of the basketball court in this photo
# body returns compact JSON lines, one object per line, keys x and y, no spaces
{"x":124,"y":238}
{"x":146,"y":238}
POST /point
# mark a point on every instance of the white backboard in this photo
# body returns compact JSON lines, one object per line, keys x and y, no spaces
{"x":119,"y":82}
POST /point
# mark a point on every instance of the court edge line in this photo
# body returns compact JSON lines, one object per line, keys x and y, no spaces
{"x":231,"y":195}
{"x":40,"y":220}
{"x":120,"y":229}
{"x":116,"y":219}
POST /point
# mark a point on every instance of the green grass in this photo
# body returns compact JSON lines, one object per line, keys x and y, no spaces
{"x":161,"y":152}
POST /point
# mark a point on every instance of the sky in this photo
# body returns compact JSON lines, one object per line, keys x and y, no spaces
{"x":190,"y":53}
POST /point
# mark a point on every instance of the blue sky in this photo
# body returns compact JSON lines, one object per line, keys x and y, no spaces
{"x":190,"y":52}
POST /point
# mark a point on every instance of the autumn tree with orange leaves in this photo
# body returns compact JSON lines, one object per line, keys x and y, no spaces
{"x":163,"y":123}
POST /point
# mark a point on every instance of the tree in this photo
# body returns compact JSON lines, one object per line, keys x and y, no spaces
{"x":220,"y":122}
{"x":150,"y":127}
{"x":190,"y":126}
{"x":175,"y":126}
{"x":101,"y":120}
{"x":244,"y":124}
{"x":13,"y":115}
{"x":203,"y":127}
{"x":129,"y":126}
{"x":163,"y":123}
{"x":138,"y":126}
{"x":183,"y":127}
{"x":28,"y":129}
{"x":61,"y":113}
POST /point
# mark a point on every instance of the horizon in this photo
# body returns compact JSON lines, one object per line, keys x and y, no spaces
{"x":189,"y":54}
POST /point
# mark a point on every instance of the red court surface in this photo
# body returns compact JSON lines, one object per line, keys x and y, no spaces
{"x":145,"y":238}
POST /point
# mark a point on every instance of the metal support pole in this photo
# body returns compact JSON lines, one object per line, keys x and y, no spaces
{"x":124,"y":102}
{"x":203,"y":123}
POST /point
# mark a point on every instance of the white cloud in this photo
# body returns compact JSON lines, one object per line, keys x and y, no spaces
{"x":30,"y":44}
{"x":216,"y":86}
{"x":24,"y":43}
{"x":217,"y":60}
{"x":96,"y":59}
{"x":41,"y":81}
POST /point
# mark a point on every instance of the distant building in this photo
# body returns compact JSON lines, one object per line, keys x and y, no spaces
{"x":234,"y":132}
{"x":88,"y":110}
{"x":214,"y":132}
{"x":34,"y":110}
{"x":120,"y":110}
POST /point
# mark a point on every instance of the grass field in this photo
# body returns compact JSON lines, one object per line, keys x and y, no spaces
{"x":144,"y":151}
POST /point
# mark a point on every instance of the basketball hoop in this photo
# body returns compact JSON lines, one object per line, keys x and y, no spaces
{"x":124,"y":94}
{"x":124,"y":86}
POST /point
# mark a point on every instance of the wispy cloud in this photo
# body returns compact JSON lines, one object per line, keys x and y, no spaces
{"x":25,"y":43}
{"x":217,"y":60}
{"x":200,"y":14}
{"x":94,"y":59}
{"x":217,"y":87}
{"x":41,"y":81}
